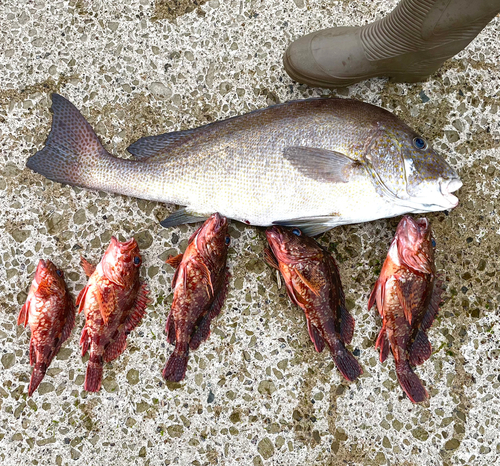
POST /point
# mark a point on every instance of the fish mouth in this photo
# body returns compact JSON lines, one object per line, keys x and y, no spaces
{"x":448,"y":187}
{"x":274,"y":235}
{"x":124,"y":246}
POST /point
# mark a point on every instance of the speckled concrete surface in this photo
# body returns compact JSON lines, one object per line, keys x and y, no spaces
{"x":256,"y":392}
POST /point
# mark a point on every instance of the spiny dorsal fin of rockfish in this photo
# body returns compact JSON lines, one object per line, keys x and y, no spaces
{"x":180,"y":217}
{"x":310,"y":226}
{"x":321,"y":164}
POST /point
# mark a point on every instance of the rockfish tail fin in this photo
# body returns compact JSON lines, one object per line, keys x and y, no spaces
{"x":72,"y":149}
{"x":175,"y":369}
{"x":410,"y":382}
{"x":346,"y":363}
{"x":93,"y":376}
{"x":37,"y":376}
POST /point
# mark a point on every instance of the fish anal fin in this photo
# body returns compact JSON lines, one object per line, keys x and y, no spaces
{"x":115,"y":348}
{"x":139,"y":309}
{"x":170,"y":328}
{"x":87,"y":267}
{"x":310,"y":226}
{"x":320,"y":164}
{"x":32,"y":352}
{"x":373,"y":295}
{"x":316,"y":338}
{"x":80,"y":300}
{"x":382,"y":344}
{"x":181,"y":217}
{"x":85,"y":341}
{"x":420,"y":349}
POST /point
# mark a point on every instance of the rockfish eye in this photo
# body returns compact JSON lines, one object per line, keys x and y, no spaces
{"x":296,"y":232}
{"x":227,"y":240}
{"x":419,"y":143}
{"x":137,"y":260}
{"x":433,"y":242}
{"x":59,"y":272}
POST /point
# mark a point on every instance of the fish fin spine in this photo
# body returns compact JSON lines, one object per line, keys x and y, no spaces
{"x":175,"y":368}
{"x":410,"y":382}
{"x":93,"y":376}
{"x":346,"y":363}
{"x":269,"y":259}
{"x":37,"y":376}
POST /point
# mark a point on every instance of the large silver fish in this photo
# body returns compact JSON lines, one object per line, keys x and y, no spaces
{"x":314,"y":164}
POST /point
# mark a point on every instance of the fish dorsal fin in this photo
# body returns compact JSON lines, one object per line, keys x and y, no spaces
{"x":321,"y":164}
{"x":310,"y":226}
{"x":180,"y":217}
{"x":161,"y":144}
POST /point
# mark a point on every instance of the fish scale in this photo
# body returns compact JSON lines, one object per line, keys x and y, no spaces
{"x":314,"y":163}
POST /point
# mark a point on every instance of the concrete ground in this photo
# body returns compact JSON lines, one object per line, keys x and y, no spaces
{"x":256,"y":393}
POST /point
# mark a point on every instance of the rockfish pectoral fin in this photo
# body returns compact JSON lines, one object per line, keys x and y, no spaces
{"x":269,"y":259}
{"x":320,"y":164}
{"x":106,"y":299}
{"x":433,"y":308}
{"x":80,"y":300}
{"x":180,"y":217}
{"x":310,"y":226}
{"x":314,"y":286}
{"x":23,"y":317}
{"x":138,"y":310}
{"x":410,"y":294}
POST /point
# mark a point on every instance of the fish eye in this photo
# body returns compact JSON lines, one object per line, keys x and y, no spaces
{"x":59,"y":272}
{"x":433,"y":242}
{"x":227,"y":240}
{"x":137,"y":260}
{"x":296,"y":232}
{"x":419,"y":143}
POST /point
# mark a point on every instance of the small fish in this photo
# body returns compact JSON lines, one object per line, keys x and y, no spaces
{"x":200,"y":288}
{"x":314,"y":164}
{"x":114,"y":302}
{"x":50,"y":310}
{"x":313,"y":283}
{"x":408,"y":297}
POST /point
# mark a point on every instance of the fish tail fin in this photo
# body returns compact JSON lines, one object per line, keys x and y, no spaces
{"x":410,"y":382}
{"x":93,"y":376}
{"x":175,"y":369}
{"x":72,"y":151}
{"x":346,"y":363}
{"x":37,"y":376}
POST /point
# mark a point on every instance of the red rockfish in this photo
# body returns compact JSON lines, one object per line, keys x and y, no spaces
{"x":200,"y":287}
{"x":114,"y":302}
{"x":407,"y":298}
{"x":313,"y":283}
{"x":50,"y":311}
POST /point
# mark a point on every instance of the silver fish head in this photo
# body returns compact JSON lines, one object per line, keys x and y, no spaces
{"x":415,"y":244}
{"x":405,"y":168}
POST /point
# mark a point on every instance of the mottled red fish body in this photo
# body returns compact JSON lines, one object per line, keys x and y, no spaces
{"x":313,"y":283}
{"x":50,"y":312}
{"x":407,"y":296}
{"x":114,"y":302}
{"x":200,"y":288}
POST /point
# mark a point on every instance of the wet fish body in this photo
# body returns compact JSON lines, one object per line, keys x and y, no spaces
{"x":114,"y":302}
{"x":200,"y":288}
{"x":313,"y":283}
{"x":407,"y":296}
{"x":315,"y":164}
{"x":50,"y":312}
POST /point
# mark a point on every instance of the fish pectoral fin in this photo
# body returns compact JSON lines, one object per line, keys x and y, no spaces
{"x":433,"y":308}
{"x":316,"y":338}
{"x":175,"y":261}
{"x":87,"y":267}
{"x":81,"y":298}
{"x":410,"y":294}
{"x":314,"y":286}
{"x":180,"y":217}
{"x":23,"y":317}
{"x":310,"y":226}
{"x":269,"y":259}
{"x":207,"y":276}
{"x":106,"y":300}
{"x":321,"y":164}
{"x":139,"y":309}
